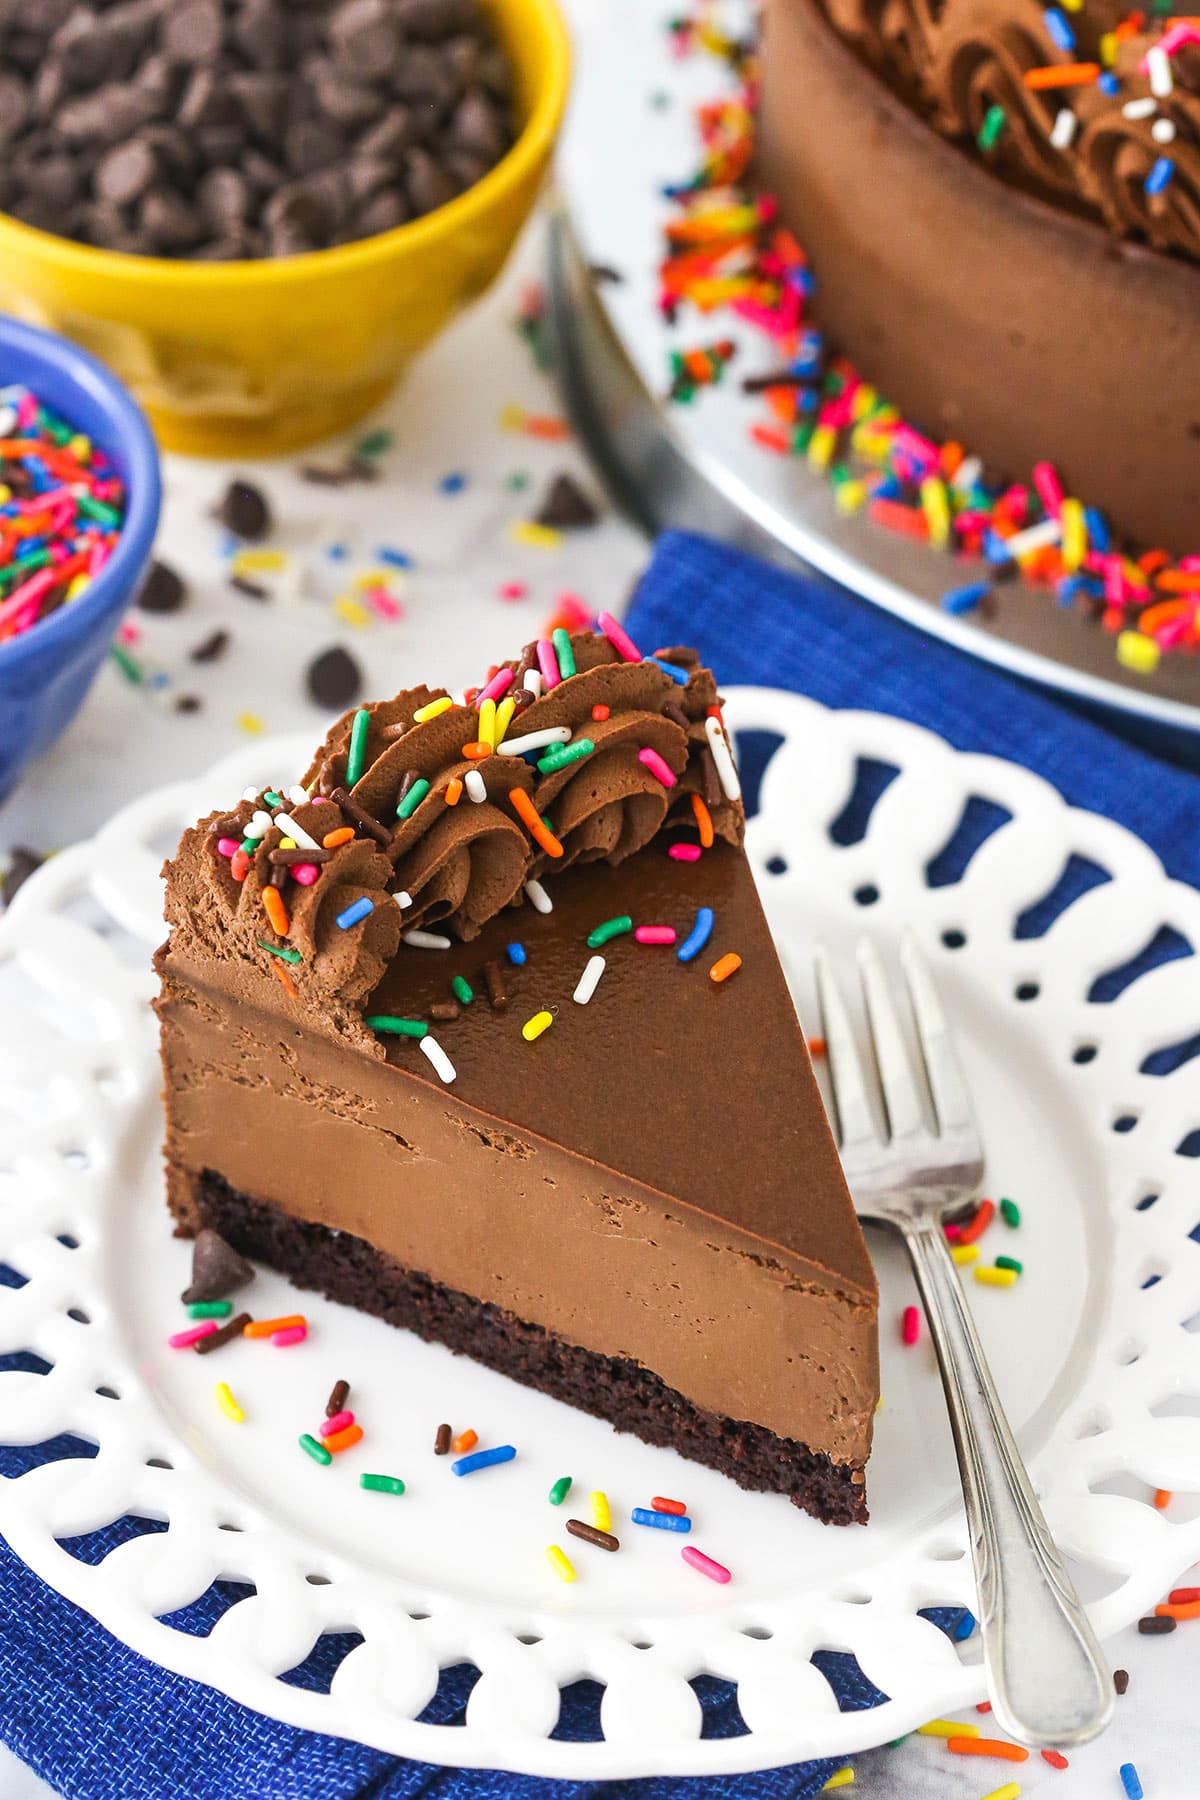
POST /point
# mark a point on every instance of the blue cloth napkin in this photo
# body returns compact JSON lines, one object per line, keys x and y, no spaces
{"x":100,"y":1723}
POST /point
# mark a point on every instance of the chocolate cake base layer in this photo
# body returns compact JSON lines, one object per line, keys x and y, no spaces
{"x":631,"y":1398}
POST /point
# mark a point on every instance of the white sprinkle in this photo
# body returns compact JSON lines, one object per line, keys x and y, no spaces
{"x":731,"y":787}
{"x":1139,"y":109}
{"x":589,"y":981}
{"x":1163,"y":131}
{"x":298,"y":796}
{"x":8,"y":421}
{"x":537,"y":740}
{"x":1036,"y":537}
{"x":249,"y":793}
{"x":1158,"y":68}
{"x":967,"y":474}
{"x":1062,"y":134}
{"x":475,"y":785}
{"x":538,"y":897}
{"x":426,"y":940}
{"x":533,"y":682}
{"x":259,"y":825}
{"x":403,"y":899}
{"x":437,"y":1056}
{"x":286,"y":823}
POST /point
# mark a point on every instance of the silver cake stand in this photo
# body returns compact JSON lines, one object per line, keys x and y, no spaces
{"x":629,"y":131}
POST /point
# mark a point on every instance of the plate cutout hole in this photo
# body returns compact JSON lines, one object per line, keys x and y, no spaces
{"x":1189,"y":1145}
{"x":954,"y":939}
{"x":867,"y":894}
{"x":159,"y":1462}
{"x":1177,"y":1406}
{"x":1027,"y":990}
{"x":1144,"y":1202}
{"x":872,"y":778}
{"x":67,"y":1241}
{"x":323,"y":1661}
{"x":1167,"y":945}
{"x":1078,"y":877}
{"x":80,"y":1317}
{"x":777,"y":865}
{"x":1085,"y":1053}
{"x":757,"y":1631}
{"x":1094,"y":1424}
{"x":317,"y":1580}
{"x":1170,"y":1057}
{"x":947,"y":1553}
{"x":528,"y":1637}
{"x":1124,"y":1123}
{"x":108,"y":1393}
{"x":979,"y":820}
{"x":1129,"y":1353}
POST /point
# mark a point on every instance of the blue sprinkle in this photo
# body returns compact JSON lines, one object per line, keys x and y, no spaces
{"x":1109,"y":84}
{"x":888,"y":489}
{"x":1160,"y":175}
{"x":699,"y":935}
{"x":230,"y":545}
{"x":965,"y":1626}
{"x":400,"y":559}
{"x":516,"y":954}
{"x":1059,"y":28}
{"x":454,"y":483}
{"x":682,"y":676}
{"x":483,"y":1459}
{"x":965,"y":599}
{"x":1097,"y":529}
{"x":643,"y":1515}
{"x":354,"y":913}
{"x":337,"y":552}
{"x":1131,"y":1782}
{"x":995,"y":548}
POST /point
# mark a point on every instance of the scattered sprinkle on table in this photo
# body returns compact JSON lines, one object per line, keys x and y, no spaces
{"x":910,"y":1324}
{"x":441,"y":1441}
{"x":560,"y":1490}
{"x":318,"y":1452}
{"x":265,"y":1328}
{"x":560,"y":1563}
{"x":839,"y":1779}
{"x":991,"y":1276}
{"x":1131,"y":1781}
{"x":981,"y":1746}
{"x":1056,"y":1759}
{"x":381,"y":1484}
{"x":1121,"y":1680}
{"x":1010,"y":1212}
{"x":705,"y":1565}
{"x":1010,"y":1791}
{"x":228,"y":1404}
{"x":598,"y":1535}
{"x":947,"y":1728}
{"x":660,"y":1521}
{"x":1156,"y":1625}
{"x":483,"y":1459}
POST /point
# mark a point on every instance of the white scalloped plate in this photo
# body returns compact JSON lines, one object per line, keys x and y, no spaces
{"x":1100,"y":1372}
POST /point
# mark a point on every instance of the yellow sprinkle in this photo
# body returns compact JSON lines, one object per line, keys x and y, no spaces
{"x":228,"y":1404}
{"x":433,"y":710}
{"x":562,"y":1565}
{"x":850,"y":497}
{"x":353,"y":611}
{"x":80,"y":447}
{"x":947,"y":1728}
{"x":601,"y":1515}
{"x":1108,"y":49}
{"x":78,"y":585}
{"x":487,"y":723}
{"x":821,"y":446}
{"x":538,"y":537}
{"x":991,"y":1277}
{"x":936,"y":507}
{"x":864,"y":399}
{"x":512,"y":417}
{"x":373,"y":578}
{"x":258,"y":562}
{"x":1074,"y":533}
{"x":840,"y":1778}
{"x":533,"y":1028}
{"x":5,"y":493}
{"x":287,"y":844}
{"x":504,"y":714}
{"x":251,"y":723}
{"x":1138,"y":652}
{"x":1011,"y":1789}
{"x":964,"y":1253}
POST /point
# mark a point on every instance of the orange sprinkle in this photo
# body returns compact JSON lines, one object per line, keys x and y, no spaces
{"x":454,"y":788}
{"x":951,"y":457}
{"x":289,"y":985}
{"x":276,"y":911}
{"x":1190,"y":1611}
{"x":529,"y":816}
{"x":816,"y":1047}
{"x":1178,"y":581}
{"x":333,"y":840}
{"x":1162,"y":1498}
{"x":1150,"y":561}
{"x":967,"y":1746}
{"x":540,"y":425}
{"x":261,"y":1328}
{"x":599,"y":713}
{"x":476,"y":752}
{"x":894,"y":515}
{"x":343,"y":1440}
{"x":726,"y":966}
{"x":975,"y":1228}
{"x":239,"y":865}
{"x":1058,"y":75}
{"x":466,"y":1440}
{"x":703,"y":820}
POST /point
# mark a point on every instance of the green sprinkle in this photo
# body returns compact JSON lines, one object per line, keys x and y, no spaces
{"x":210,"y":1309}
{"x":98,"y":510}
{"x":376,"y":443}
{"x":412,"y":799}
{"x":517,"y":482}
{"x":356,"y":761}
{"x":249,"y":845}
{"x":802,"y":436}
{"x":560,"y":1490}
{"x":563,"y":755}
{"x":27,"y":565}
{"x":994,"y":121}
{"x":380,"y":1484}
{"x":1010,"y":1262}
{"x":1010,"y":1212}
{"x":463,"y":990}
{"x":292,"y":956}
{"x":561,"y":640}
{"x":391,"y":1026}
{"x":272,"y":798}
{"x":611,"y":928}
{"x":129,"y":669}
{"x":317,"y":1451}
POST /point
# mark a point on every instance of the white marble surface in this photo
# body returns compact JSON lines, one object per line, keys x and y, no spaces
{"x":447,"y":419}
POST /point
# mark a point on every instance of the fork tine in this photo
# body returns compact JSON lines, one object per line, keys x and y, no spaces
{"x":947,"y":1083}
{"x":901,"y":1094}
{"x":856,"y":1121}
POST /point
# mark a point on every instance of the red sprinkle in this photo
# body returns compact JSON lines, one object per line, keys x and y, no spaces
{"x":678,"y":1507}
{"x":910,"y":1325}
{"x":600,"y":713}
{"x":1056,"y":1759}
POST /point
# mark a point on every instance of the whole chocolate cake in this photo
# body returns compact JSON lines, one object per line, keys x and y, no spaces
{"x":481,"y":1029}
{"x":1002,"y":205}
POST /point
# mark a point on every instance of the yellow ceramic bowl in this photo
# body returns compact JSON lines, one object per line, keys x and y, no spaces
{"x":259,"y":358}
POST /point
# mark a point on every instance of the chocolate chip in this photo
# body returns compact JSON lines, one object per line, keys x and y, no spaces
{"x":311,"y":144}
{"x":245,"y":512}
{"x":217,"y":1269}
{"x":211,"y":647}
{"x":432,"y":19}
{"x":21,"y":865}
{"x":475,"y":124}
{"x":193,"y":32}
{"x":163,"y":591}
{"x":364,"y":37}
{"x":382,"y":213}
{"x":427,"y":183}
{"x":188,"y":703}
{"x":334,"y":678}
{"x":565,"y":506}
{"x":387,"y":141}
{"x":124,"y":174}
{"x":14,"y":106}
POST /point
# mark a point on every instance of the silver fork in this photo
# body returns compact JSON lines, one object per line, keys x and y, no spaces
{"x":1048,"y":1681}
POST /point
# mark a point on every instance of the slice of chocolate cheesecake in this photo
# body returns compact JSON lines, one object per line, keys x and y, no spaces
{"x":397,"y":1071}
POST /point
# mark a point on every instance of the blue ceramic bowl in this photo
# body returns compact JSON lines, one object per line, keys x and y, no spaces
{"x":45,"y":673}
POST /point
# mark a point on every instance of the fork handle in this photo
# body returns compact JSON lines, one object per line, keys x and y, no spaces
{"x":1049,"y":1684}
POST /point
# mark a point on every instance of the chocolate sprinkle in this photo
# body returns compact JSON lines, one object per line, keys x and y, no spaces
{"x":565,"y":507}
{"x":217,"y":1269}
{"x":334,"y":678}
{"x":493,"y":975}
{"x":1156,"y":1625}
{"x":441,"y":1443}
{"x":163,"y":591}
{"x":21,"y":866}
{"x":362,"y":819}
{"x":253,"y":590}
{"x":289,"y":859}
{"x":337,"y":1400}
{"x":244,"y":510}
{"x":211,"y":647}
{"x":710,"y":779}
{"x":443,"y":1011}
{"x":591,"y":1534}
{"x":1121,"y":1680}
{"x":224,"y":1334}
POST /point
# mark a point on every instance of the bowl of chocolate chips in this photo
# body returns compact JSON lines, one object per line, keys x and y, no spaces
{"x":258,"y":211}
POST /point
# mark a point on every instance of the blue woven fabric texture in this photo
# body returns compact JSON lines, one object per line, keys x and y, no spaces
{"x":100,"y":1723}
